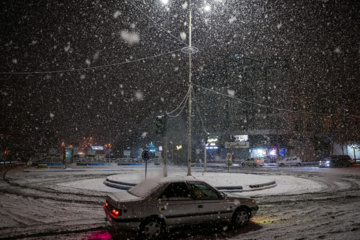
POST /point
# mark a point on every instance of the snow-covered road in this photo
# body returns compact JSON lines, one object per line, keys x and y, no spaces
{"x":308,"y":203}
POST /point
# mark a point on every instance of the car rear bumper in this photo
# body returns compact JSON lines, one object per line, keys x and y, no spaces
{"x":132,"y":224}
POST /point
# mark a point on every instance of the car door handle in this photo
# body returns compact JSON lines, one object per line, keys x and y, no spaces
{"x":200,"y":206}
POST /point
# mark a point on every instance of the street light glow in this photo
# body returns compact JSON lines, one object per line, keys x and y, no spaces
{"x":207,"y":8}
{"x":165,"y":1}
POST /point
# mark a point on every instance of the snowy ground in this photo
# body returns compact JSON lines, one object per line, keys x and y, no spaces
{"x":307,"y":203}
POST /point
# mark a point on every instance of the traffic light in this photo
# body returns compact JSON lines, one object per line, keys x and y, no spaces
{"x":160,"y":124}
{"x":346,"y":115}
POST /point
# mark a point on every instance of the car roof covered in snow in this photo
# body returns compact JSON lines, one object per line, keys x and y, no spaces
{"x":150,"y":185}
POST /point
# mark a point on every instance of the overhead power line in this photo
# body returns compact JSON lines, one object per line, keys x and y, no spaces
{"x":181,"y":105}
{"x":267,"y":106}
{"x":89,"y":68}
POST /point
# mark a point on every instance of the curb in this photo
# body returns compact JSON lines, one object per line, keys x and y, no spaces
{"x":262,"y":185}
{"x":117,"y":186}
{"x":230,"y":188}
{"x":255,"y":187}
{"x":70,"y":170}
{"x":127,"y":186}
{"x":93,"y":164}
{"x":121,"y":183}
{"x":46,"y":170}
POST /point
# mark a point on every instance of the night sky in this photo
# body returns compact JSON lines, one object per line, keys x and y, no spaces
{"x":105,"y":69}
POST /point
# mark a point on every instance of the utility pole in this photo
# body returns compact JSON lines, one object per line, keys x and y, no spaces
{"x":165,"y":156}
{"x":160,"y":122}
{"x":190,"y":89}
{"x":205,"y":157}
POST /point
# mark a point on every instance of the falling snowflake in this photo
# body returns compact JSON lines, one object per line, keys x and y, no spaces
{"x":130,"y":37}
{"x":143,"y":135}
{"x":183,"y":35}
{"x":52,"y":115}
{"x":117,"y":14}
{"x":139,"y":95}
{"x":337,"y":50}
{"x":231,"y":92}
{"x":67,"y":48}
{"x":233,"y":19}
{"x":96,"y":55}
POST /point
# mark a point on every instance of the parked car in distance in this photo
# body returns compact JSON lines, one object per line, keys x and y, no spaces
{"x":252,"y":162}
{"x":155,"y":206}
{"x":336,"y":161}
{"x":290,"y":161}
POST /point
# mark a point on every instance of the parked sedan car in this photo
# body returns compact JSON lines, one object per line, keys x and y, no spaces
{"x":290,"y":161}
{"x":336,"y":161}
{"x":155,"y":206}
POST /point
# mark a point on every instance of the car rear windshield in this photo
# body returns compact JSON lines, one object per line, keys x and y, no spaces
{"x":144,"y":188}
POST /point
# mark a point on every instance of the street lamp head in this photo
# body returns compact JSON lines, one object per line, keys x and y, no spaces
{"x":207,"y":8}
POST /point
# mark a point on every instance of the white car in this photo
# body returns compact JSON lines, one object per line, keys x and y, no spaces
{"x":290,"y":161}
{"x":155,"y":206}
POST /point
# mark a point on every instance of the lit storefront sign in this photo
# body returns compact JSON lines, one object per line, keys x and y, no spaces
{"x":241,"y":138}
{"x":212,"y":147}
{"x":272,"y":152}
{"x":236,"y":144}
{"x":258,"y":152}
{"x":212,"y":143}
{"x":97,"y":148}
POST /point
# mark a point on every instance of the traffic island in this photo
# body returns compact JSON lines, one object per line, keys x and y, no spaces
{"x":227,"y":182}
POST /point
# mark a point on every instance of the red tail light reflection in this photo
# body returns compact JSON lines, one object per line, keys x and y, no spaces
{"x":115,"y":212}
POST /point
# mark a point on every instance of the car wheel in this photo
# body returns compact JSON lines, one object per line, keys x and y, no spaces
{"x":298,"y":164}
{"x":281,"y":165}
{"x":243,"y":164}
{"x":241,"y":217}
{"x":151,"y":228}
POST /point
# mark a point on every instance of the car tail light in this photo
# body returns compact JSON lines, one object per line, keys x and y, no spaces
{"x":106,"y":204}
{"x":116,"y":212}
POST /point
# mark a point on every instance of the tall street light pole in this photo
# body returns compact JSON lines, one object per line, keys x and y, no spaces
{"x":189,"y":50}
{"x":190,"y":90}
